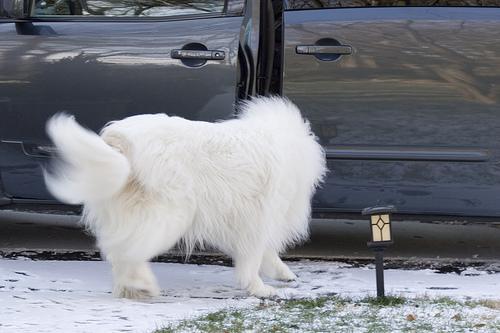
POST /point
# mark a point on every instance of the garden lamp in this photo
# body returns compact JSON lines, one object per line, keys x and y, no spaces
{"x":381,"y":237}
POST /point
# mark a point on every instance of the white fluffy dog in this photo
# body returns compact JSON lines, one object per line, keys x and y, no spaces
{"x":150,"y":181}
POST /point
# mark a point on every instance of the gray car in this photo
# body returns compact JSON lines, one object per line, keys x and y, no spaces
{"x":404,"y":95}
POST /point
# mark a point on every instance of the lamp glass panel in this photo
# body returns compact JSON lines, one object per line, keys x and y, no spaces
{"x":376,"y":234}
{"x":381,"y":228}
{"x":386,"y":230}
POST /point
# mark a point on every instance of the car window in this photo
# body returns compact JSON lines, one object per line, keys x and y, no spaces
{"x":4,"y":9}
{"x":304,"y":4}
{"x":151,"y":8}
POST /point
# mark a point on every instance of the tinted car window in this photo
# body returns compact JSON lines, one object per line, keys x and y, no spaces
{"x":303,"y":4}
{"x":4,"y":6}
{"x":152,"y":8}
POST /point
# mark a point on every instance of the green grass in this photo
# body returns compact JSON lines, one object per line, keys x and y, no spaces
{"x":384,"y":301}
{"x":212,"y":322}
{"x":340,"y":314}
{"x":492,"y":304}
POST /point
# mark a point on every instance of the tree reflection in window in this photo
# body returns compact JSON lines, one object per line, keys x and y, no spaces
{"x":126,"y":7}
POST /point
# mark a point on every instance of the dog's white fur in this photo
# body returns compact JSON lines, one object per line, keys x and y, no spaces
{"x":150,"y":181}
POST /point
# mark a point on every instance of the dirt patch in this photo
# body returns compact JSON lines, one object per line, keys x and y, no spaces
{"x":438,"y":266}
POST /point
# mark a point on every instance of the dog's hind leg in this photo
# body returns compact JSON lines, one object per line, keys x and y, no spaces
{"x":273,"y":267}
{"x":247,"y":274}
{"x":138,"y":241}
{"x":134,"y":280}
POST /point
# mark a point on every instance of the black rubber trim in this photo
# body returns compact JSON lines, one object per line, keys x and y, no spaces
{"x":402,"y":153}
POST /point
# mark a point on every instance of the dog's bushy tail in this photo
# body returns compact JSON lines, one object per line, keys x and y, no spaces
{"x":87,"y":168}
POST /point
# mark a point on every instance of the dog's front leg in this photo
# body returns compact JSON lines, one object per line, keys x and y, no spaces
{"x":272,"y":266}
{"x":134,"y":280}
{"x":247,"y":273}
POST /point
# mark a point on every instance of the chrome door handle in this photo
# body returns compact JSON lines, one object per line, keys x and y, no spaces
{"x":198,"y":54}
{"x":323,"y":49}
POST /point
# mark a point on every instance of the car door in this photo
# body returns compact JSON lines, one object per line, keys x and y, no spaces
{"x":102,"y":60}
{"x":405,"y":100}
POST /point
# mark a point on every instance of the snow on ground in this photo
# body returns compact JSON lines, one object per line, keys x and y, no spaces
{"x":74,"y":296}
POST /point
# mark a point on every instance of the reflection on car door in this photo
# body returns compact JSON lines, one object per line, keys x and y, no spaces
{"x":406,"y":102}
{"x":105,"y":69}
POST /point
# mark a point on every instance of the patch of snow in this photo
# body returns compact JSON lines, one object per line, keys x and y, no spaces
{"x":75,"y":296}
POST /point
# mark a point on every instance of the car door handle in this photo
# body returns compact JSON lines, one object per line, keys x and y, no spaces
{"x":323,"y":49}
{"x":198,"y":54}
{"x":34,"y":150}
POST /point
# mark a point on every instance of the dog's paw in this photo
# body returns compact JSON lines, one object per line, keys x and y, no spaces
{"x":288,"y":277}
{"x":135,"y":293}
{"x":263,"y":291}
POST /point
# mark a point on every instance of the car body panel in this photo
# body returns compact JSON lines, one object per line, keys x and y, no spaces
{"x":101,"y":71}
{"x":412,"y":117}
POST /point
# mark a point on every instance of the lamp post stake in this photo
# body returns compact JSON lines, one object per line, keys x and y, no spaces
{"x":379,"y":268}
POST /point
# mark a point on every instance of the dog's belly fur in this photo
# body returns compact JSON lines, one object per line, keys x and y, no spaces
{"x":243,"y":186}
